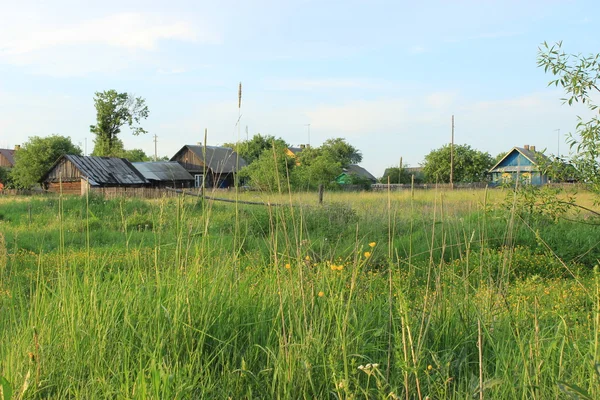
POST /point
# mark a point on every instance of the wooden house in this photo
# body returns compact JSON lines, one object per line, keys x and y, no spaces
{"x":77,"y":174}
{"x":520,"y":163}
{"x":7,"y":158}
{"x":211,"y":166}
{"x":163,"y":174}
{"x":7,"y":161}
{"x":355,"y":174}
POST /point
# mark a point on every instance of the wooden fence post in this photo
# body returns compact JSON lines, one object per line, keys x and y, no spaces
{"x":321,"y":190}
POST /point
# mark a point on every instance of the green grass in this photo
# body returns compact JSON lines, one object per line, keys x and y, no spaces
{"x":177,"y":298}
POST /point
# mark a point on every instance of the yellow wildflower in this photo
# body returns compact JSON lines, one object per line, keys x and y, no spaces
{"x":288,"y":266}
{"x":321,"y":294}
{"x":307,"y":258}
{"x":367,"y":254}
{"x":372,"y":244}
{"x":429,"y":367}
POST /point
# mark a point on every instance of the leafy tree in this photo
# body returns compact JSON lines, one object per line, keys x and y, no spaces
{"x":135,"y":155}
{"x":270,"y":171}
{"x":5,"y":178}
{"x":315,"y":167}
{"x":251,"y":150}
{"x":113,"y":110}
{"x":396,"y":175}
{"x":470,"y":165}
{"x":579,"y":76}
{"x":36,"y":156}
{"x":341,"y":151}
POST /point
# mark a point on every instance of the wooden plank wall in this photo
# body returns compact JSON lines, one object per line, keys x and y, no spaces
{"x":4,"y":162}
{"x":67,"y":187}
{"x":139,"y":192}
{"x":65,"y":171}
{"x":190,"y":161}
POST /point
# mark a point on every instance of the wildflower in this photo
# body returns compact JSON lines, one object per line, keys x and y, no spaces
{"x":372,"y":244}
{"x":288,"y":266}
{"x":429,"y":367}
{"x":307,"y":258}
{"x":367,"y":254}
{"x":321,"y":294}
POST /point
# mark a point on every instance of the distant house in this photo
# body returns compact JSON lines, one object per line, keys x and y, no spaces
{"x":163,"y":174}
{"x":294,"y":151}
{"x":354,"y":174}
{"x":7,"y":158}
{"x":520,"y":163}
{"x":211,"y":166}
{"x":77,"y":174}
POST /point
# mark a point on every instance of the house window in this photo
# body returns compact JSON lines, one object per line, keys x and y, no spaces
{"x":199,"y":180}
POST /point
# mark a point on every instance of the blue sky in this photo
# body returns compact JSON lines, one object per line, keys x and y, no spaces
{"x":385,"y":75}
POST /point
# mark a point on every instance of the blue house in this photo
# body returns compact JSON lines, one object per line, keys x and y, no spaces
{"x":520,"y":163}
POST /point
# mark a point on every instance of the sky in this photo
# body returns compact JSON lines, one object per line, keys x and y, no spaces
{"x":385,"y":75}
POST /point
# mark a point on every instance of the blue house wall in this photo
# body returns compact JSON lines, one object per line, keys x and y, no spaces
{"x":515,"y":159}
{"x":516,"y":166}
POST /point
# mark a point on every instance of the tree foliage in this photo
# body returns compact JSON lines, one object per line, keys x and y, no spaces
{"x":397,"y":175}
{"x":135,"y":155}
{"x":113,"y":111}
{"x":341,"y":151}
{"x":269,"y":172}
{"x":315,"y":167}
{"x":5,"y":178}
{"x":37,"y":155}
{"x":251,"y":150}
{"x":579,"y":76}
{"x":470,"y":165}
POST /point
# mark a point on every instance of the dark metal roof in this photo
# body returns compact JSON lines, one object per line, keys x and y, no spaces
{"x":163,"y":171}
{"x":295,"y":150}
{"x":359,"y":171}
{"x":102,"y":171}
{"x":221,"y":160}
{"x":9,"y":154}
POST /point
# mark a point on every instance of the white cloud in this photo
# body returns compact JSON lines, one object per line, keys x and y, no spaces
{"x":317,"y":84}
{"x":128,"y":30}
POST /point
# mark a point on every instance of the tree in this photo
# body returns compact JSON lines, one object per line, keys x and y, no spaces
{"x":470,"y":165}
{"x":36,"y":156}
{"x":113,"y":110}
{"x":341,"y":151}
{"x":270,"y":171}
{"x":251,"y":150}
{"x":396,"y":175}
{"x":315,"y":167}
{"x":5,"y":178}
{"x":579,"y":76}
{"x":135,"y":155}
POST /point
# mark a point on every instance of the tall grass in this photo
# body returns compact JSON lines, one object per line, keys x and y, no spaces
{"x":436,"y":294}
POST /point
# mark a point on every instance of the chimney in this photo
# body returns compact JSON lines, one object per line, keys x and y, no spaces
{"x":532,"y":148}
{"x":526,"y":147}
{"x":17,"y":147}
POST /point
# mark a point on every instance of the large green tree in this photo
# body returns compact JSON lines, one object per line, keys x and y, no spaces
{"x":113,"y":111}
{"x":341,"y":151}
{"x":315,"y":166}
{"x":470,"y":165}
{"x":251,"y":150}
{"x":579,"y":76}
{"x":36,"y":156}
{"x":270,"y":171}
{"x":396,"y":175}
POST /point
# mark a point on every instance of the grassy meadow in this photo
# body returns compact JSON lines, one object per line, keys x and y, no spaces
{"x":432,"y":294}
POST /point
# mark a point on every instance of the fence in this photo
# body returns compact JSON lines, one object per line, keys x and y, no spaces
{"x":384,"y":187}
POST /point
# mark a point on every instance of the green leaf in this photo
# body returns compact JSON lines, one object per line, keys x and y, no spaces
{"x":6,"y":389}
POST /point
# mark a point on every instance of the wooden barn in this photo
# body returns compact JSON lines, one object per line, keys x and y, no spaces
{"x":7,"y":158}
{"x":78,"y":174}
{"x":211,"y":166}
{"x":520,"y":163}
{"x":165,"y":174}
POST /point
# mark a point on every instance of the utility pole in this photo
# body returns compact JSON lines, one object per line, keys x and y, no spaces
{"x":155,"y":148}
{"x":400,"y":170}
{"x":452,"y":157}
{"x":246,"y":133}
{"x":85,"y":151}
